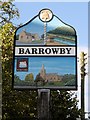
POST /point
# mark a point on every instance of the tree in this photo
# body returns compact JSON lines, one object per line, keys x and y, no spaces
{"x":29,"y":77}
{"x":8,"y":11}
{"x":16,"y":78}
{"x":64,"y":106}
{"x":15,"y":103}
{"x":39,"y":80}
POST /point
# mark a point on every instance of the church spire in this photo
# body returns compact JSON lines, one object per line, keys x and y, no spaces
{"x":42,"y":66}
{"x":43,"y":72}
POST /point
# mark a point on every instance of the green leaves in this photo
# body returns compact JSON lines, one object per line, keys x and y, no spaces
{"x":7,"y":37}
{"x":8,"y":11}
{"x":15,"y":103}
{"x":64,"y":106}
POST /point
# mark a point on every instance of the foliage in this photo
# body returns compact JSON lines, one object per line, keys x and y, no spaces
{"x":8,"y":11}
{"x":64,"y":106}
{"x":15,"y":103}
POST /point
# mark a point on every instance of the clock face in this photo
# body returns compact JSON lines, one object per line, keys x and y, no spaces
{"x":45,"y":15}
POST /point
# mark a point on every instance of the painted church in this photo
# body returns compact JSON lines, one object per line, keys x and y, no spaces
{"x":49,"y":77}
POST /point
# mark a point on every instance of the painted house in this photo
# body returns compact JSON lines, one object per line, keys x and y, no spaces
{"x":28,"y":37}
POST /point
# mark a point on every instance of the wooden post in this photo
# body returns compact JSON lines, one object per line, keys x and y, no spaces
{"x":43,"y":104}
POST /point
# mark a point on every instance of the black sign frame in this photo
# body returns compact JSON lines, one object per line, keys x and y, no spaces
{"x":51,"y":88}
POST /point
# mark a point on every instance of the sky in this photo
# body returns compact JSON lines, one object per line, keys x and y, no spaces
{"x":37,"y":26}
{"x":72,"y":13}
{"x":78,"y":18}
{"x":60,"y":65}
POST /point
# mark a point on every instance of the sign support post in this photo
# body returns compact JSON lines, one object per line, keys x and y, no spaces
{"x":83,"y":74}
{"x":82,"y":96}
{"x":43,"y":104}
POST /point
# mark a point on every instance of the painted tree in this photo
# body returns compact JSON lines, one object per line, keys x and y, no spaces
{"x":39,"y":80}
{"x":29,"y":77}
{"x":16,"y":78}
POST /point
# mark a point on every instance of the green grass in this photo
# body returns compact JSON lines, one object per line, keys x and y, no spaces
{"x":49,"y":84}
{"x":38,"y":41}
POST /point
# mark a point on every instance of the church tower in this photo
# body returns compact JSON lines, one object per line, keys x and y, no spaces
{"x":43,"y":72}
